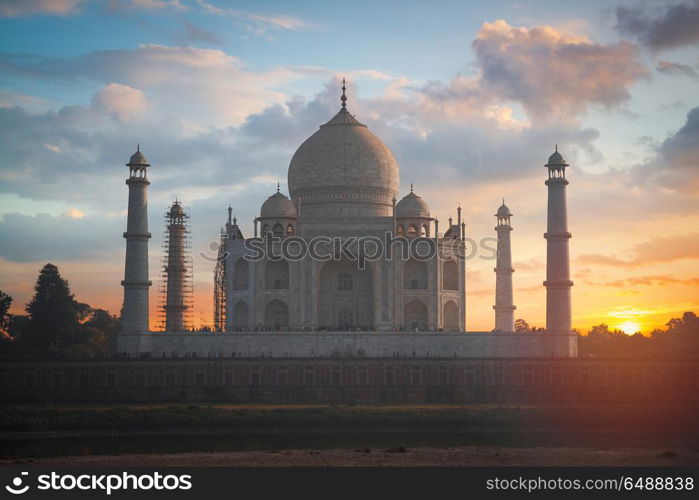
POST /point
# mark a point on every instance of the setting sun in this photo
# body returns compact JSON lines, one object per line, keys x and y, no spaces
{"x":629,"y":327}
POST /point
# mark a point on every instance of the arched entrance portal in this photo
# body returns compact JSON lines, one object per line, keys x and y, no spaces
{"x":451,"y":316}
{"x":345,"y":296}
{"x":241,"y":315}
{"x":276,"y":315}
{"x":415,"y":315}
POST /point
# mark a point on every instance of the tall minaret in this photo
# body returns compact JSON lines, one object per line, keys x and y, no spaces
{"x":504,"y":308}
{"x":176,"y":271}
{"x":558,"y":284}
{"x":136,"y":283}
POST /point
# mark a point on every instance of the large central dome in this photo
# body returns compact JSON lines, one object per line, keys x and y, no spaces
{"x":343,"y":169}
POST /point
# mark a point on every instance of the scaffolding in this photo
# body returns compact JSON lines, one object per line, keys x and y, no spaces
{"x":220,"y":285}
{"x":176,"y":290}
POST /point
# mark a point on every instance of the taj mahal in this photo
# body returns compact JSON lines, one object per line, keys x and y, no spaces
{"x":344,"y":266}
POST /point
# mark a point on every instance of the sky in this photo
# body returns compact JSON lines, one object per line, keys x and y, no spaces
{"x":470,"y":96}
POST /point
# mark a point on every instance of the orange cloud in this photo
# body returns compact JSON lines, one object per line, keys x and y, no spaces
{"x":655,"y":250}
{"x":553,"y":74}
{"x":122,"y":102}
{"x":13,"y":8}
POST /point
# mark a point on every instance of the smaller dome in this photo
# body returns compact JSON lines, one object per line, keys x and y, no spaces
{"x":503,"y":211}
{"x":138,"y":159}
{"x":278,"y":206}
{"x":412,"y":206}
{"x":176,"y":209}
{"x":556,"y":159}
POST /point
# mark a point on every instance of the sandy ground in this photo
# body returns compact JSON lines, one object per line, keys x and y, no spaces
{"x":467,"y":456}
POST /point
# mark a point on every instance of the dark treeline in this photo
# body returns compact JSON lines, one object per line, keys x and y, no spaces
{"x":55,"y":323}
{"x":679,"y":340}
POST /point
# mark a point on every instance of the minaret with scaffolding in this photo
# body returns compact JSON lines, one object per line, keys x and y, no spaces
{"x":227,"y":236}
{"x":176,"y":291}
{"x":220,"y":276}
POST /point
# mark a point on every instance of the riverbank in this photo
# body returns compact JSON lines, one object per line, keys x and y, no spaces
{"x":398,"y":456}
{"x":317,"y":435}
{"x":28,"y":418}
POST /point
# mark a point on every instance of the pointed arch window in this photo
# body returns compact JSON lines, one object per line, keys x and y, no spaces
{"x":345,"y":283}
{"x":345,"y":318}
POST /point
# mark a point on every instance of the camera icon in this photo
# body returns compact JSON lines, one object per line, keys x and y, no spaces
{"x":16,"y":487}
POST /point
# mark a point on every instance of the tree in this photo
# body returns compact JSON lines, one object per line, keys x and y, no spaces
{"x":56,"y":322}
{"x":689,"y":322}
{"x":5,"y":303}
{"x":54,"y":314}
{"x":522,"y":326}
{"x":601,"y":330}
{"x":103,"y":330}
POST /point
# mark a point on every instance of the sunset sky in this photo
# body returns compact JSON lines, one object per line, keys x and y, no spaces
{"x":470,"y":96}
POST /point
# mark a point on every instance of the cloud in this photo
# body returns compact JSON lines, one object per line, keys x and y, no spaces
{"x":668,"y":248}
{"x":196,"y":34}
{"x":553,"y":74}
{"x":661,"y":280}
{"x":605,"y":260}
{"x":121,"y":102}
{"x":653,"y":251}
{"x":682,"y":149}
{"x":158,"y":4}
{"x":204,"y":85}
{"x":83,"y":149}
{"x":70,"y":237}
{"x":665,"y":27}
{"x":675,"y":69}
{"x":74,"y":213}
{"x":19,"y":8}
{"x":653,"y":280}
{"x":32,"y":103}
{"x":258,"y":23}
{"x":676,"y":163}
{"x":529,"y":265}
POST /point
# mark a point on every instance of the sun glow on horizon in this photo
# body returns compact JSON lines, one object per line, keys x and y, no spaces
{"x":629,"y":327}
{"x":629,"y":319}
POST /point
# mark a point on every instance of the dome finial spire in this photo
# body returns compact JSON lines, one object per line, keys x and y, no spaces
{"x":411,"y":187}
{"x":343,"y":99}
{"x":556,"y":147}
{"x":138,"y":147}
{"x":277,"y":187}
